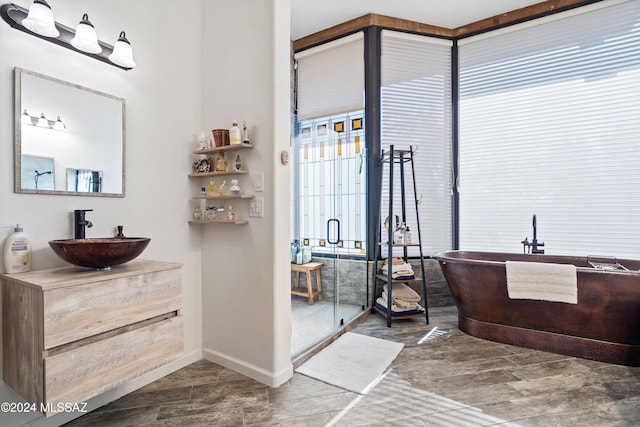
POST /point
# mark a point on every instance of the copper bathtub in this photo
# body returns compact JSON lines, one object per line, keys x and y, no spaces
{"x":604,"y":325}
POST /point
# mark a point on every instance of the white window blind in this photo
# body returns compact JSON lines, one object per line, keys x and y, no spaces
{"x":331,"y":78}
{"x":416,"y":112}
{"x":550,"y":125}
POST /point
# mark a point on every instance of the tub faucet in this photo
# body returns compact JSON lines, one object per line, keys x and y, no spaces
{"x":533,"y":246}
{"x":80,"y":222}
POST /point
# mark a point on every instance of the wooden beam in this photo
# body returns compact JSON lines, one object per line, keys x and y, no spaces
{"x":410,"y":26}
{"x":519,"y":15}
{"x":365,"y":21}
{"x":332,"y":33}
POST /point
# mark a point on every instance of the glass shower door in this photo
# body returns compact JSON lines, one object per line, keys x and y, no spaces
{"x":347,"y":222}
{"x":329,"y":213}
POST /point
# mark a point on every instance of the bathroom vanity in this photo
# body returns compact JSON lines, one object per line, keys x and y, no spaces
{"x":71,"y":333}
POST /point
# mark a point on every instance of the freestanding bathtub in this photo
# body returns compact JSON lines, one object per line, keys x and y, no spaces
{"x":604,"y":325}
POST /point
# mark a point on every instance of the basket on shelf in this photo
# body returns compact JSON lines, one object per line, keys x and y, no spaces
{"x":221,"y":137}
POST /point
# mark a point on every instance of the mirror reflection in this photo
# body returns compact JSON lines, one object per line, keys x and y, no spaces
{"x":84,"y":180}
{"x":69,"y":139}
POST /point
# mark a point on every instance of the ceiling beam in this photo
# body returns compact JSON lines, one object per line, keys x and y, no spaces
{"x":509,"y":18}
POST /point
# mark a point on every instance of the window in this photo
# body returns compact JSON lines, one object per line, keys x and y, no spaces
{"x":549,"y":125}
{"x":331,"y":183}
{"x":416,"y":112}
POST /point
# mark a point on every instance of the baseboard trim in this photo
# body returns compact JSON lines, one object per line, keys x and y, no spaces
{"x":272,"y":379}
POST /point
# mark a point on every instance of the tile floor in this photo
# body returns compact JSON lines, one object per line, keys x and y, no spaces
{"x":450,"y":379}
{"x":313,"y":323}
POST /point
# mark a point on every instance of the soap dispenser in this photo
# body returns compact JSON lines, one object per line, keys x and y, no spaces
{"x":17,"y":252}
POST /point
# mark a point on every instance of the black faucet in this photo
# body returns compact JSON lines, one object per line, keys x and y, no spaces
{"x":80,"y":223}
{"x":532,"y":247}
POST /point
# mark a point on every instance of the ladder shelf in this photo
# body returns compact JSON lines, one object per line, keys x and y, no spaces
{"x":398,"y":158}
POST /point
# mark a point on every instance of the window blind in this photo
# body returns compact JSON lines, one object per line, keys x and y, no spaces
{"x":416,"y":112}
{"x":331,"y":78}
{"x":550,"y":125}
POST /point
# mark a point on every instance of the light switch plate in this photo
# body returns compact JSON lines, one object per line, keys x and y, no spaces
{"x":258,"y":182}
{"x":256,"y":207}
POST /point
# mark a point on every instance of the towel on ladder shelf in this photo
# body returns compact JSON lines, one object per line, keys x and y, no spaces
{"x":396,"y":310}
{"x":400,"y":303}
{"x":402,"y":292}
{"x":400,"y":270}
{"x":542,"y":281}
{"x":404,"y":299}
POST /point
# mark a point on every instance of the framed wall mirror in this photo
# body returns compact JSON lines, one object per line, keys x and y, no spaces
{"x":67,"y":133}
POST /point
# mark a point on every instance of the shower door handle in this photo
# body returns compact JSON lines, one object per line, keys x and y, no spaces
{"x":337,"y":222}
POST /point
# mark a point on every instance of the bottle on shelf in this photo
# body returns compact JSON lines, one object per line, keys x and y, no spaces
{"x":407,"y":236}
{"x":202,"y":142}
{"x":212,"y":213}
{"x":235,"y":136}
{"x":223,"y":189}
{"x":197,"y":213}
{"x":237,"y":164}
{"x":212,"y":189}
{"x":245,"y":133}
{"x":230,"y":214}
{"x":220,"y":165}
{"x":399,"y":234}
{"x":234,"y":190}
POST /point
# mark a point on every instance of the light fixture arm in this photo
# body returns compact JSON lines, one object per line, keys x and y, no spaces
{"x":14,"y":14}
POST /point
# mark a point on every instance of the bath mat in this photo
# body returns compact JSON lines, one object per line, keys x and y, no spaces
{"x":354,"y":362}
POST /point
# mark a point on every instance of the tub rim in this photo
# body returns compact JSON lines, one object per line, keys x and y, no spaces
{"x":577,"y":261}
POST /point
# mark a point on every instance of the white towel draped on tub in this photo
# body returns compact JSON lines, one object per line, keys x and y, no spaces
{"x":542,"y":281}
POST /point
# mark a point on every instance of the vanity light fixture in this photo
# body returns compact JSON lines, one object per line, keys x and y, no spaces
{"x":40,"y":19}
{"x":81,"y":40}
{"x":86,"y":38}
{"x":42,"y":121}
{"x":122,"y":52}
{"x":59,"y":125}
{"x":25,"y":118}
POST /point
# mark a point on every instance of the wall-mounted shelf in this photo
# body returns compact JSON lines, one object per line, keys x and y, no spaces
{"x":248,"y":196}
{"x":213,"y":174}
{"x":203,"y":198}
{"x":214,"y":221}
{"x":223,"y":149}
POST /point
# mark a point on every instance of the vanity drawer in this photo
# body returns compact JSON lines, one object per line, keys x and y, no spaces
{"x":82,"y":372}
{"x":76,"y":312}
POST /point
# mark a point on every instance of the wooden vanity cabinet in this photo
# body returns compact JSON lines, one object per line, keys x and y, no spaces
{"x":71,"y":333}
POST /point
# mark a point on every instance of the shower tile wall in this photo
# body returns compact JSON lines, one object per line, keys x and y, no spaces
{"x":353,"y":279}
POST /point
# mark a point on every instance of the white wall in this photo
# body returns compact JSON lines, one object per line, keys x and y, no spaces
{"x":246,"y":316}
{"x":163,"y":95}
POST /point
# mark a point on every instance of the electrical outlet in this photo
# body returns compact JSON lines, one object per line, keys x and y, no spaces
{"x":256,"y":207}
